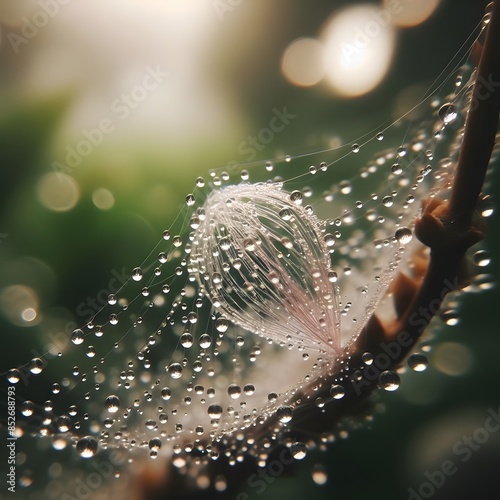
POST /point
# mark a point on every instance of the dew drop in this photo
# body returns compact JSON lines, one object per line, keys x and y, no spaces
{"x":186,"y":340}
{"x":64,"y":423}
{"x":112,"y":404}
{"x":137,"y":274}
{"x":190,"y":200}
{"x":13,"y":376}
{"x":389,"y":380}
{"x":77,"y":337}
{"x":214,"y":411}
{"x":27,"y":408}
{"x":249,"y":389}
{"x":417,"y":362}
{"x":337,"y":391}
{"x":155,"y":444}
{"x":166,"y":393}
{"x":205,"y":341}
{"x":234,"y":391}
{"x":380,"y":136}
{"x":345,"y":187}
{"x":284,"y":414}
{"x":355,"y":148}
{"x":296,"y":197}
{"x":387,"y":201}
{"x":175,"y":370}
{"x":36,"y":366}
{"x":298,"y":451}
{"x":482,"y":258}
{"x":249,"y":244}
{"x":403,"y":235}
{"x":221,"y":324}
{"x":447,"y":113}
{"x":86,"y":447}
{"x":200,"y":182}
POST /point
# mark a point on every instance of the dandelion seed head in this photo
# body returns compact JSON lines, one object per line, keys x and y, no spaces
{"x":265,"y":263}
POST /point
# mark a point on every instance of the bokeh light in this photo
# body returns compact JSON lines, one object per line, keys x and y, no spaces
{"x":303,"y":62}
{"x":410,"y":13}
{"x":359,"y":48}
{"x":58,"y":191}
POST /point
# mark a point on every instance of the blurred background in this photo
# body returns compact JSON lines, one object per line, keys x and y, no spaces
{"x":110,"y":110}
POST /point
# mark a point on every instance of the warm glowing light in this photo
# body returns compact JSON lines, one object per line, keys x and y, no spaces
{"x":408,"y":13}
{"x":359,"y":46}
{"x":58,"y":192}
{"x":20,"y":305}
{"x":452,"y":358}
{"x":103,"y":198}
{"x":303,"y":62}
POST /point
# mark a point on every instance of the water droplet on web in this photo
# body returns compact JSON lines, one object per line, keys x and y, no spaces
{"x":155,"y":444}
{"x":200,"y":182}
{"x":355,"y":148}
{"x":417,"y":362}
{"x":137,"y":274}
{"x":345,"y":187}
{"x":450,"y":317}
{"x":284,"y":414}
{"x":175,"y":370}
{"x":296,"y":197}
{"x":186,"y":340}
{"x":234,"y":391}
{"x":298,"y":451}
{"x":389,"y":380}
{"x":380,"y":136}
{"x":337,"y":391}
{"x":214,"y":411}
{"x":77,"y":337}
{"x":166,"y":393}
{"x":396,"y":169}
{"x":112,"y":404}
{"x":447,"y":113}
{"x":27,"y":408}
{"x":190,"y":200}
{"x":403,"y":235}
{"x":482,"y":258}
{"x":13,"y":376}
{"x":87,"y":447}
{"x":221,"y":324}
{"x":36,"y":366}
{"x":388,"y":201}
{"x":269,"y":166}
{"x":63,"y":423}
{"x":249,"y":389}
{"x":205,"y":341}
{"x":249,"y":244}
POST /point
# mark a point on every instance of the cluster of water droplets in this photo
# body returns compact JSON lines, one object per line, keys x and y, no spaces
{"x":236,"y":321}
